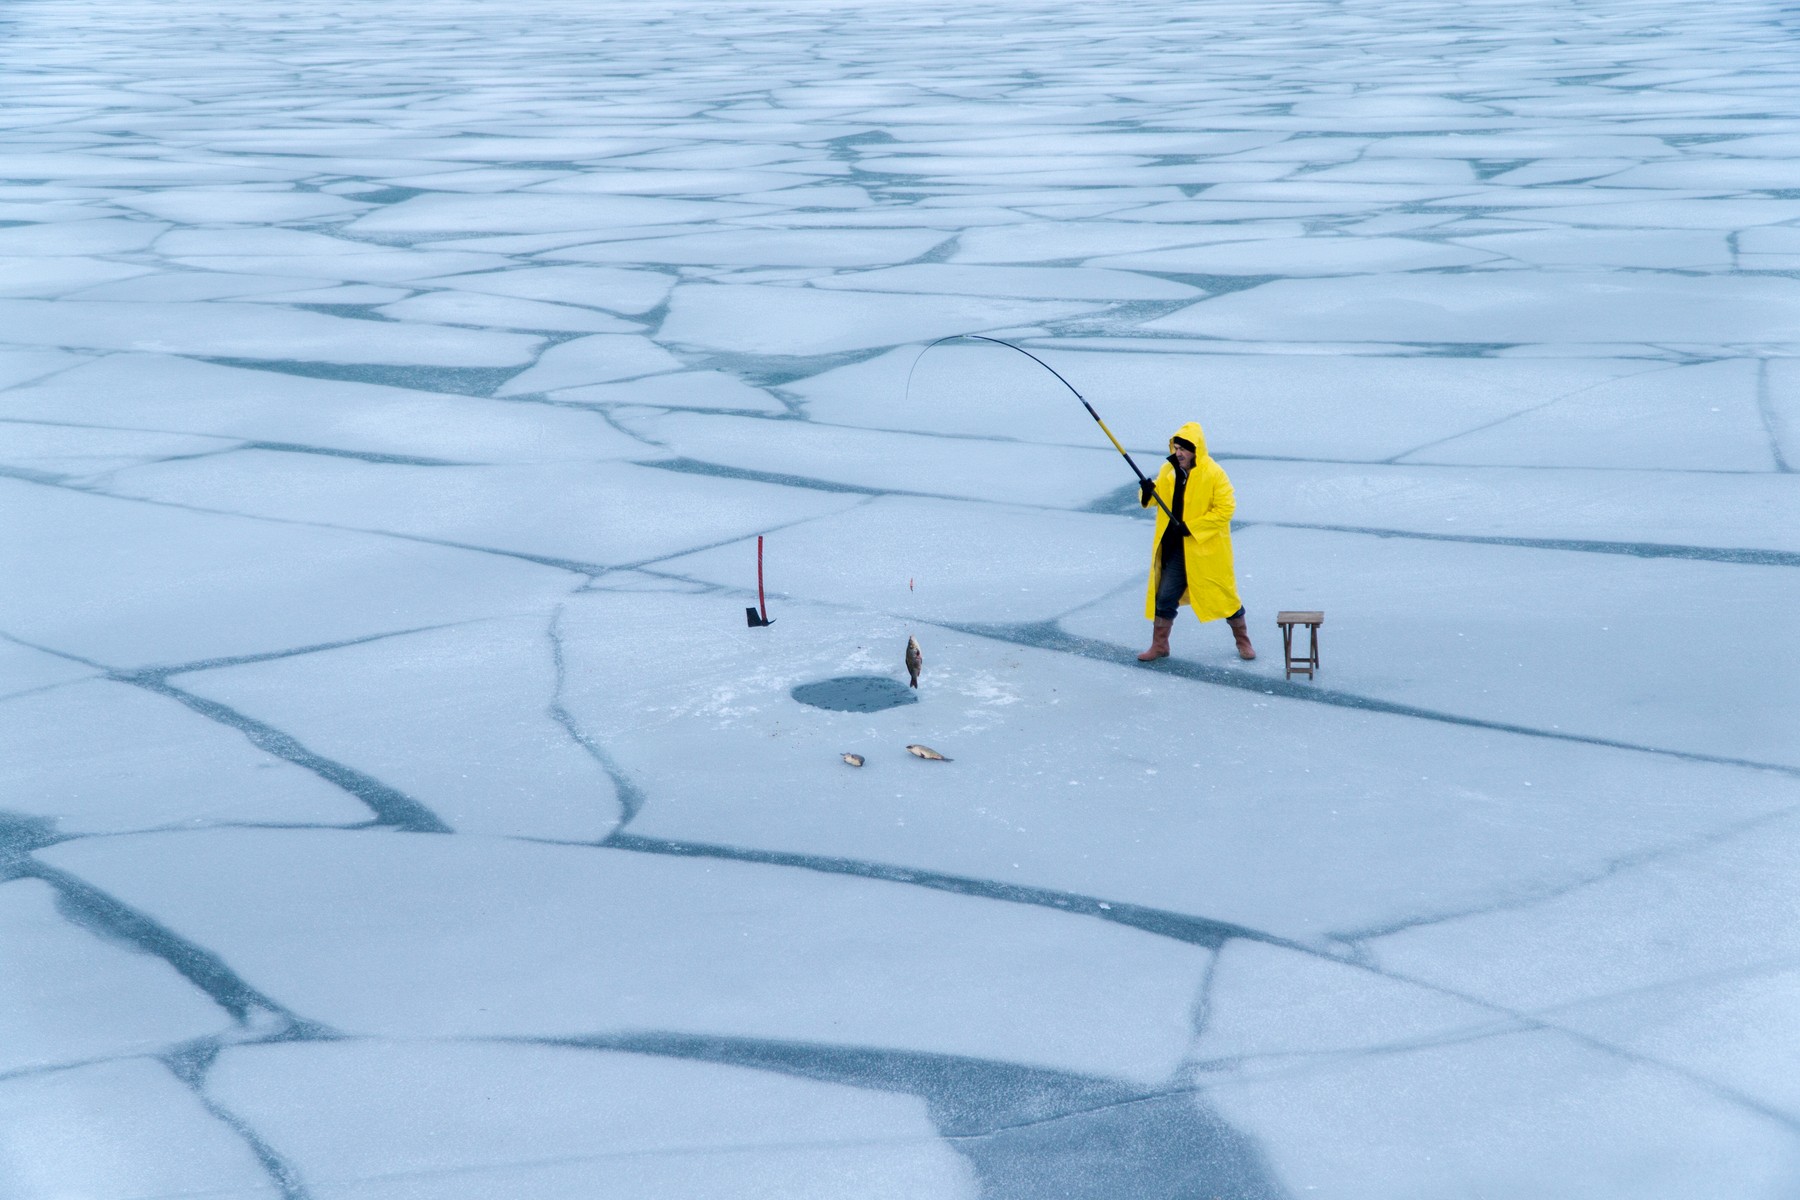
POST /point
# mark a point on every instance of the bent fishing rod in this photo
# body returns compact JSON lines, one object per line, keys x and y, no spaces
{"x":979,"y":337}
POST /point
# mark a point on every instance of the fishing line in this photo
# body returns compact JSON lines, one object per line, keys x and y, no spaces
{"x":979,"y":337}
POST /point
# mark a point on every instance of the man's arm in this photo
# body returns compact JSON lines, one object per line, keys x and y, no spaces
{"x":1147,"y":489}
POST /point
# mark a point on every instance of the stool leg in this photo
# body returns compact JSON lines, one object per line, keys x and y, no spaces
{"x":1287,"y":650}
{"x":1315,"y":649}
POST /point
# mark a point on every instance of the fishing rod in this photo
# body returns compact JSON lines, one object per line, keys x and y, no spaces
{"x":978,"y":337}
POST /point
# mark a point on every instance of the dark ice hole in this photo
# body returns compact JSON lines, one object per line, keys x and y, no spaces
{"x":856,"y":693}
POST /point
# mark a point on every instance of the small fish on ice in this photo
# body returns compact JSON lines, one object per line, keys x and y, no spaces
{"x":855,"y":760}
{"x":925,"y":752}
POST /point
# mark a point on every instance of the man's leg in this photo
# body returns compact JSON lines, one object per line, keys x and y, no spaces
{"x":1168,"y":600}
{"x":1241,"y":632}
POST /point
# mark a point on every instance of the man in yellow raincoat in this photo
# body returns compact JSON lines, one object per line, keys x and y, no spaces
{"x":1191,"y":560}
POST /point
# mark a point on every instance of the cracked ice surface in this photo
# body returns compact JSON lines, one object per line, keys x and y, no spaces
{"x":393,"y":804}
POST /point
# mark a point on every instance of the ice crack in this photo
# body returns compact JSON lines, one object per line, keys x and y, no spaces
{"x":1029,"y":1132}
{"x":1721,"y":554}
{"x":96,"y":911}
{"x":390,"y":805}
{"x":1048,"y":635}
{"x":190,"y":1064}
{"x":631,"y":797}
{"x":1198,"y":931}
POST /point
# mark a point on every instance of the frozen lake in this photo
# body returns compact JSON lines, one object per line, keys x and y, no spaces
{"x":394,"y":804}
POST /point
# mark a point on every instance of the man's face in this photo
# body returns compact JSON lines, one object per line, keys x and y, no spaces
{"x":1185,"y":457}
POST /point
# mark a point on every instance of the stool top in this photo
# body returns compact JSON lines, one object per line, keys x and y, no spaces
{"x":1299,"y":618}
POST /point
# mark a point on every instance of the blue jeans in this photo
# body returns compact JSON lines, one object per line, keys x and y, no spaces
{"x":1171,"y":585}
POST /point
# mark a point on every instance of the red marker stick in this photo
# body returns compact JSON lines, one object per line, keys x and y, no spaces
{"x":762,"y":605}
{"x":758,"y":617}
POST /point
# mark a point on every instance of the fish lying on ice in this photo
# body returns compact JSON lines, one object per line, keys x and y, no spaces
{"x":926,"y":752}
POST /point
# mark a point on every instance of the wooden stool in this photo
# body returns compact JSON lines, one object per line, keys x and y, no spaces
{"x":1312,"y":621}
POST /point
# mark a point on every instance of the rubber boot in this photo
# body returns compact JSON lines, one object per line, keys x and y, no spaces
{"x":1241,"y":632}
{"x":1159,"y":640}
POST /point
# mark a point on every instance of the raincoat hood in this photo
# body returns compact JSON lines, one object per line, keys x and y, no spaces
{"x":1191,"y":433}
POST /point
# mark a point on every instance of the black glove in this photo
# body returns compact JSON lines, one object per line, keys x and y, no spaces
{"x":1146,"y":492}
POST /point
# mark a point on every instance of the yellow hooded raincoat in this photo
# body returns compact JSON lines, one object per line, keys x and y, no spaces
{"x":1207,"y":505}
